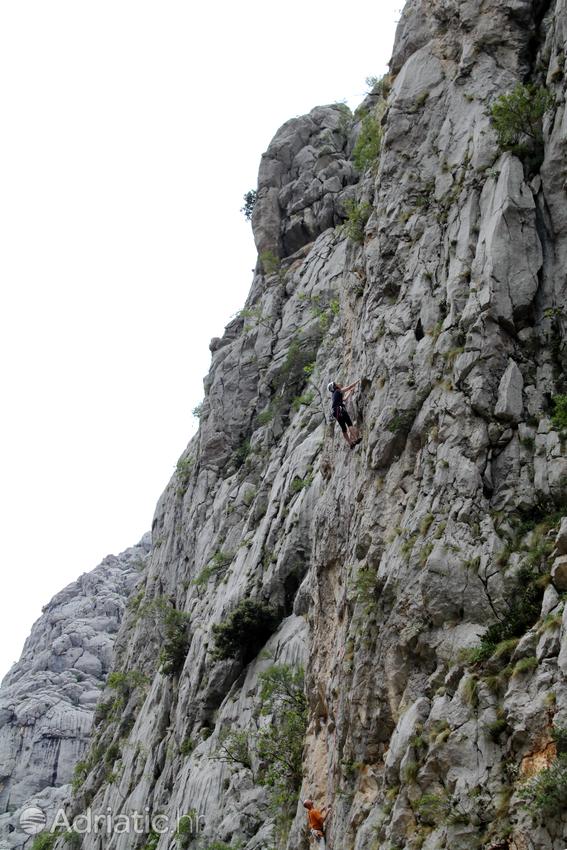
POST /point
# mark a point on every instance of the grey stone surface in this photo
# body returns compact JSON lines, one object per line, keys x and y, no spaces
{"x":47,"y":699}
{"x":387,"y":562}
{"x":559,"y":573}
{"x":509,"y":405}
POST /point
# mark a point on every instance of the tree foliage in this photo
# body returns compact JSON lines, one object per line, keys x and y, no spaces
{"x":250,"y":199}
{"x":245,"y":631}
{"x":280,"y":745}
{"x":357,"y":216}
{"x":367,"y":148}
{"x":517,"y":117}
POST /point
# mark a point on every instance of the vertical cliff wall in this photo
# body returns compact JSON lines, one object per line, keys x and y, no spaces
{"x":48,"y":698}
{"x":379,"y":569}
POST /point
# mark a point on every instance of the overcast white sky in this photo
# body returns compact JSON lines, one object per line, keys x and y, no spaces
{"x":130,"y":132}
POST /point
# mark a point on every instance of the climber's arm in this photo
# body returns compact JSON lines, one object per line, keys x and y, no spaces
{"x":348,"y":390}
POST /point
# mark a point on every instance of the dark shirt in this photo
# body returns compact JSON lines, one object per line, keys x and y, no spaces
{"x":337,"y":400}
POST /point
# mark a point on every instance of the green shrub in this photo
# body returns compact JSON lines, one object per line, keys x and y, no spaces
{"x":270,"y":262}
{"x":525,"y":665}
{"x":299,"y":484}
{"x":470,"y":691}
{"x":367,"y":148}
{"x":559,"y":417}
{"x":103,"y":711}
{"x":250,"y":199}
{"x":378,"y":86}
{"x":112,"y":754}
{"x":217,"y":566}
{"x":173,"y":652}
{"x":255,"y":313}
{"x":187,"y":747}
{"x":152,"y":841}
{"x":241,"y":454}
{"x":187,"y":828}
{"x":233,"y":747}
{"x":523,"y":611}
{"x":266,"y":415}
{"x":73,"y":839}
{"x":517,"y":117}
{"x":280,"y":745}
{"x":183,"y":469}
{"x":366,"y":587}
{"x":496,"y":728}
{"x":80,"y":773}
{"x":126,"y":681}
{"x":433,"y":809}
{"x":198,"y":410}
{"x":357,"y":216}
{"x":300,"y":400}
{"x":245,"y":631}
{"x":546,"y":793}
{"x":44,"y":841}
{"x":172,"y":626}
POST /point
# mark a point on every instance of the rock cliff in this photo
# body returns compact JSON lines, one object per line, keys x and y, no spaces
{"x":419,"y":578}
{"x":48,"y":698}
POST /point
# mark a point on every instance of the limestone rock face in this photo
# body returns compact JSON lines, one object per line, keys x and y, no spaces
{"x":47,"y":699}
{"x":411,"y":576}
{"x":301,"y":181}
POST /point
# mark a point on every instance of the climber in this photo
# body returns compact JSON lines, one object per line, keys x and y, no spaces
{"x":316,"y":819}
{"x":340,"y":394}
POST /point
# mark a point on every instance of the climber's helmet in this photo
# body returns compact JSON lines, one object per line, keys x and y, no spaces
{"x":332,"y":387}
{"x":308,"y":804}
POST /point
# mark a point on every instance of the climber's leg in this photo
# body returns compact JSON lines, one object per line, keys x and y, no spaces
{"x":317,"y":839}
{"x":342,"y":422}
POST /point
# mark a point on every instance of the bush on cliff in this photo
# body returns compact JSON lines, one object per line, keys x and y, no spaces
{"x":367,"y":148}
{"x":245,"y":631}
{"x":517,"y":117}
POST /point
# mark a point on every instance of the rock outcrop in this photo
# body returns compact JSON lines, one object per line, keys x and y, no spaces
{"x":418,"y":578}
{"x":48,"y":698}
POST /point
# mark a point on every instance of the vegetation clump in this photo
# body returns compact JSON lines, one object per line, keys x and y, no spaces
{"x":245,"y":631}
{"x":546,"y":793}
{"x":234,"y":748}
{"x":217,"y":566}
{"x":523,"y":609}
{"x":368,"y":143}
{"x":517,"y":117}
{"x":45,"y":840}
{"x":187,"y":829}
{"x":250,"y":199}
{"x":172,"y":626}
{"x":280,"y":745}
{"x":357,"y":217}
{"x":559,"y":416}
{"x":270,"y":262}
{"x":299,"y":484}
{"x":183,"y":469}
{"x":173,"y":652}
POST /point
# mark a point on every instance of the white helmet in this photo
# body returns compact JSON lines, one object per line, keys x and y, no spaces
{"x":331,"y":387}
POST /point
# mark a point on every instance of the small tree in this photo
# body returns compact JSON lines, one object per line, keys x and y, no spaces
{"x":280,"y":745}
{"x":250,"y":199}
{"x":357,"y":216}
{"x":233,"y":748}
{"x":176,"y":641}
{"x":367,"y":147}
{"x":517,"y":117}
{"x":245,"y":631}
{"x":559,"y":417}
